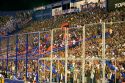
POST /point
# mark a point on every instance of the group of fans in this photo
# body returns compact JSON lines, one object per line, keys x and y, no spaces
{"x":9,"y":24}
{"x":40,"y":47}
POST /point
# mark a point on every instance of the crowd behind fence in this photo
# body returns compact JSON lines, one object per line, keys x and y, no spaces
{"x":91,"y":53}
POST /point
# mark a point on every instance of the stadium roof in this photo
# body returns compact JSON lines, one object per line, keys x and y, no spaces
{"x":10,"y":5}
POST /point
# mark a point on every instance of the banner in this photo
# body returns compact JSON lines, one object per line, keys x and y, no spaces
{"x":57,"y":11}
{"x":78,"y":4}
{"x":92,"y":1}
{"x":115,"y":4}
{"x":42,"y":14}
{"x":70,"y":11}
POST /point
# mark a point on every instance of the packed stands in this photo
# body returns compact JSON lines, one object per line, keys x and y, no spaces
{"x":114,"y":47}
{"x":10,"y":24}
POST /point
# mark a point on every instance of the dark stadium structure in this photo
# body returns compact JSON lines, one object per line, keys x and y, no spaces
{"x":11,"y":5}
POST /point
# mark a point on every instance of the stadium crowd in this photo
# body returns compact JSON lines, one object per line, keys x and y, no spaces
{"x":9,"y":24}
{"x":115,"y":55}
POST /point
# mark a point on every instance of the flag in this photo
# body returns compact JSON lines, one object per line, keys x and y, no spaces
{"x":64,"y":25}
{"x":49,"y":49}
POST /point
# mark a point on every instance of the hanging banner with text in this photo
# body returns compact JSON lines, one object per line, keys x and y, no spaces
{"x":115,"y":4}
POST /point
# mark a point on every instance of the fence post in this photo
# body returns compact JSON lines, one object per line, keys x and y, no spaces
{"x":66,"y":53}
{"x":39,"y":42}
{"x":7,"y":55}
{"x":83,"y":55}
{"x":38,"y":70}
{"x":103,"y":51}
{"x":1,"y":50}
{"x":51,"y":67}
{"x":16,"y":65}
{"x":38,"y":58}
{"x":0,"y":45}
{"x":26,"y":54}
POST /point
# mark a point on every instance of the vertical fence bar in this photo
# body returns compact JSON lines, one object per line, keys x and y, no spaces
{"x":1,"y":50}
{"x":44,"y":69}
{"x":103,"y":50}
{"x":115,"y":71}
{"x":26,"y":54}
{"x":38,"y":71}
{"x":16,"y":64}
{"x":51,"y":56}
{"x":66,"y":53}
{"x":39,"y":42}
{"x":0,"y":46}
{"x":83,"y":55}
{"x":7,"y":56}
{"x":39,"y":54}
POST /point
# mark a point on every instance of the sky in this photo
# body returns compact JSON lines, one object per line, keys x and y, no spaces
{"x":22,"y":4}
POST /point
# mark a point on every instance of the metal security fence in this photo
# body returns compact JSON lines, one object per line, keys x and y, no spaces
{"x":93,"y":53}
